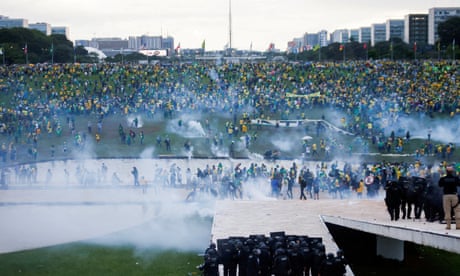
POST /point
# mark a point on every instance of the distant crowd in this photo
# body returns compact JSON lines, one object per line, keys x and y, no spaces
{"x":366,"y":89}
{"x":372,"y":94}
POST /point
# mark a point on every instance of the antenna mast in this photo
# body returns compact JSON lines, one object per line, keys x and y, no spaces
{"x":230,"y":25}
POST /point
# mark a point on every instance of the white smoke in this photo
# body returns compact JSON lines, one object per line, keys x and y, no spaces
{"x":177,"y":225}
{"x":131,"y":121}
{"x":148,"y":152}
{"x":187,"y":129}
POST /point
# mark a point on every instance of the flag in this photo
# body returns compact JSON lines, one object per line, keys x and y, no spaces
{"x":365,"y":46}
{"x":177,"y":48}
{"x":203,"y":45}
{"x":341,"y":47}
{"x":25,"y":49}
{"x":52,"y":48}
{"x":415,"y":46}
{"x":316,"y":48}
{"x":1,"y":51}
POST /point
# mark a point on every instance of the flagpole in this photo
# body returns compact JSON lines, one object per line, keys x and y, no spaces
{"x":52,"y":53}
{"x":391,"y":50}
{"x":230,"y":26}
{"x":438,"y":45}
{"x":27,"y":54}
{"x":453,"y":50}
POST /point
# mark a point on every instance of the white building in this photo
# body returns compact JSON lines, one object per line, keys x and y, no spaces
{"x":322,"y":36}
{"x":353,"y":35}
{"x":436,"y":16}
{"x":42,"y":27}
{"x":394,"y":29}
{"x":61,"y":31}
{"x":6,"y":22}
{"x":365,"y":35}
{"x":339,"y":36}
{"x":378,"y":33}
{"x":145,"y":42}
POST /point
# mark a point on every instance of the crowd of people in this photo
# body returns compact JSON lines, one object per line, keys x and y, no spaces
{"x":367,"y":89}
{"x":372,"y":94}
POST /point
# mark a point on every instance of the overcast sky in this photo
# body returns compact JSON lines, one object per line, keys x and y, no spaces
{"x":190,"y":22}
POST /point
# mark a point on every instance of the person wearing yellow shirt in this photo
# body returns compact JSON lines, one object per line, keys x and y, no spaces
{"x":360,"y":188}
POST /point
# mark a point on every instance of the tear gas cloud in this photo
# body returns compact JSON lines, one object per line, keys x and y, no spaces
{"x":186,"y":128}
{"x":134,"y":121}
{"x":175,"y":225}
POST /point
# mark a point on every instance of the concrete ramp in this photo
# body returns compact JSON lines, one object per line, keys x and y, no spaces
{"x":295,"y":217}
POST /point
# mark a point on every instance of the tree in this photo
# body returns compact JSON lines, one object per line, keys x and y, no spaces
{"x":449,"y":31}
{"x":40,"y":48}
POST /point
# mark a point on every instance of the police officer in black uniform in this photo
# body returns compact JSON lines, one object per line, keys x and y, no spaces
{"x":393,"y":196}
{"x":229,"y":257}
{"x":210,"y":267}
{"x":281,"y":265}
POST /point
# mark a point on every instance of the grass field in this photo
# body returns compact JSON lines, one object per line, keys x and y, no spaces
{"x":193,"y":129}
{"x":90,"y":259}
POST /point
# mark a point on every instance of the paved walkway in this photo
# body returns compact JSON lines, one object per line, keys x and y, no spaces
{"x":295,"y":217}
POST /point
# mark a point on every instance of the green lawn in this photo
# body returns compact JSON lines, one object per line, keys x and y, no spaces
{"x":113,"y":254}
{"x":287,"y":140}
{"x":89,"y":259}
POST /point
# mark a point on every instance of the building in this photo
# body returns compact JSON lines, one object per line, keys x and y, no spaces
{"x":416,"y":29}
{"x":378,"y":33}
{"x":146,"y":42}
{"x":394,"y":29}
{"x":6,"y":22}
{"x":322,"y":36}
{"x":436,"y":16}
{"x":339,"y":36}
{"x":353,"y":35}
{"x":365,"y":34}
{"x":109,"y":43}
{"x":61,"y":31}
{"x":82,"y":42}
{"x":42,"y":27}
{"x":309,"y":41}
{"x":167,"y":43}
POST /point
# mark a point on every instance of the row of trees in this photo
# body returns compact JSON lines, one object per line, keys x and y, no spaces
{"x":20,"y":45}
